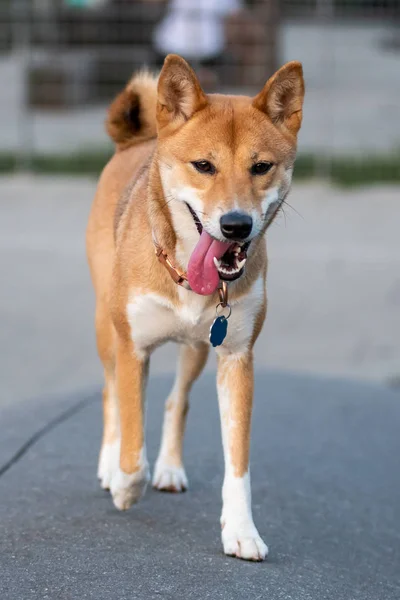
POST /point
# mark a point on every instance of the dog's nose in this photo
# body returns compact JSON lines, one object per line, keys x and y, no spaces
{"x":236,"y":225}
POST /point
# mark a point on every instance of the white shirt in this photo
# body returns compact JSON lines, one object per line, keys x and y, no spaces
{"x":194,"y":28}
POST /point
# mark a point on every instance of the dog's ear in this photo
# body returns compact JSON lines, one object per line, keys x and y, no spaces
{"x":282,"y":97}
{"x":179,"y":93}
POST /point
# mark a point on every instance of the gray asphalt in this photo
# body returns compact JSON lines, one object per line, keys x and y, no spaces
{"x":326,"y":495}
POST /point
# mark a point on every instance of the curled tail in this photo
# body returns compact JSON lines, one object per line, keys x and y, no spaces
{"x":131,"y":117}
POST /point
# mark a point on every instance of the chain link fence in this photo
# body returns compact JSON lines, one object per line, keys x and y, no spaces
{"x":62,"y":61}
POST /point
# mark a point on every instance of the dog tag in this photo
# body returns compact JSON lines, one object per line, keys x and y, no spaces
{"x":218,"y":330}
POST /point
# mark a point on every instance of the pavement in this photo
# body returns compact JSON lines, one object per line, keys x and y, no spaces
{"x":326,"y":497}
{"x":325,"y":442}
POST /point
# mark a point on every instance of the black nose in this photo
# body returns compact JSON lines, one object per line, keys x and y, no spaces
{"x":236,"y":225}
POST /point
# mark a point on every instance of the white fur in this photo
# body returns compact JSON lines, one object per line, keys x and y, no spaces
{"x":126,"y":489}
{"x":271,"y":196}
{"x":154,"y":320}
{"x":287,"y":179}
{"x":148,"y":318}
{"x":169,"y":477}
{"x":108,"y":463}
{"x":191,"y":196}
{"x":239,"y":534}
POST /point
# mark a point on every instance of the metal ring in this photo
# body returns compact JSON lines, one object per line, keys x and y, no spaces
{"x":220,"y":314}
{"x":223,"y":293}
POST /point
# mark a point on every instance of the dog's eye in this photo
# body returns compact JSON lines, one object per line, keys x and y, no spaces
{"x":203,"y":166}
{"x":261,"y":168}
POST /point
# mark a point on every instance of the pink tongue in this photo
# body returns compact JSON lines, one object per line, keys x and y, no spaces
{"x":202,"y":273}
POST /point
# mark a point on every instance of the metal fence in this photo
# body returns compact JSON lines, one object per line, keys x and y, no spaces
{"x":61,"y":62}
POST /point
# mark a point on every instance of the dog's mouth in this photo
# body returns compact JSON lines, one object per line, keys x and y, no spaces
{"x":231,"y":265}
{"x":212,"y":260}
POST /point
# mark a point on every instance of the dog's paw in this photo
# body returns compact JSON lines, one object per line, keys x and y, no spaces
{"x":128,"y":489}
{"x":243,"y":542}
{"x":169,"y":479}
{"x":108,"y":463}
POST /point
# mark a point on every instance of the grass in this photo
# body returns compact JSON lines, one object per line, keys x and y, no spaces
{"x":85,"y":162}
{"x":348,"y":171}
{"x":344,"y":171}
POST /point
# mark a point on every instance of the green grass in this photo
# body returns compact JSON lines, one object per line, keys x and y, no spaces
{"x":366,"y":171}
{"x":81,"y":163}
{"x":348,"y":171}
{"x":342,"y":171}
{"x":85,"y":162}
{"x":8,"y":162}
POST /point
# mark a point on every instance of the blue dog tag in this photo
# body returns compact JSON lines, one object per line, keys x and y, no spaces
{"x":218,"y":330}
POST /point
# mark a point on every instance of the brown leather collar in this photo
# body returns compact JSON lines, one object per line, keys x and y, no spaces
{"x":181,"y":278}
{"x":177,"y":276}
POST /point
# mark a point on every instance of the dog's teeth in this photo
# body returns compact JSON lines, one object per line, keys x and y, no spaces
{"x":224,"y":270}
{"x":241,"y":264}
{"x":217,"y":262}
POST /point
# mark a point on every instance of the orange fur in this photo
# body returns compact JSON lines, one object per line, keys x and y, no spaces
{"x":236,"y":376}
{"x":131,"y":380}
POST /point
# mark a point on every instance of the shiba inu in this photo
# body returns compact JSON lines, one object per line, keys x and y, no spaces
{"x":175,"y":233}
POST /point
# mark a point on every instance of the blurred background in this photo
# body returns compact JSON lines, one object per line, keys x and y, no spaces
{"x":334,"y":281}
{"x":63,"y":60}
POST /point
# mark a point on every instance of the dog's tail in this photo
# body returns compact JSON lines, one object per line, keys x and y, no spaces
{"x":131,"y":117}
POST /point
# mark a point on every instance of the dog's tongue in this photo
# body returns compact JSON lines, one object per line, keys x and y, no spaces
{"x":202,"y":273}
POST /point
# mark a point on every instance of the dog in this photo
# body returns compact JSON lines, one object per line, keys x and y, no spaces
{"x":176,"y":236}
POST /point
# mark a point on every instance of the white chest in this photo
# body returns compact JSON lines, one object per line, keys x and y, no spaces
{"x":155,"y":320}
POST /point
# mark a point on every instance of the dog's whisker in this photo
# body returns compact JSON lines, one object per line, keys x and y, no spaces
{"x":284,"y":215}
{"x":170,"y":198}
{"x":293,"y":208}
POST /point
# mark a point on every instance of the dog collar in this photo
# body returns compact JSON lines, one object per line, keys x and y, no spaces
{"x":177,"y":276}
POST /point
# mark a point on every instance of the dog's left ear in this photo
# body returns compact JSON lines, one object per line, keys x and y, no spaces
{"x":180,"y":94}
{"x":282,"y":97}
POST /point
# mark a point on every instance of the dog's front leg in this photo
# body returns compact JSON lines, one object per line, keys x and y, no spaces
{"x":132,"y":476}
{"x":169,"y":473}
{"x":235,"y":393}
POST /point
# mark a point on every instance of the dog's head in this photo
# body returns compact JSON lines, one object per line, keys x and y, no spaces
{"x":226,"y":165}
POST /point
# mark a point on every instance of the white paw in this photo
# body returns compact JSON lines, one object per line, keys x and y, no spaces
{"x":243,"y":542}
{"x":168,"y":478}
{"x":108,"y":463}
{"x":128,"y":489}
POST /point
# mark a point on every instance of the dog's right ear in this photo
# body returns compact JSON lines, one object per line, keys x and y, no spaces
{"x":180,"y":94}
